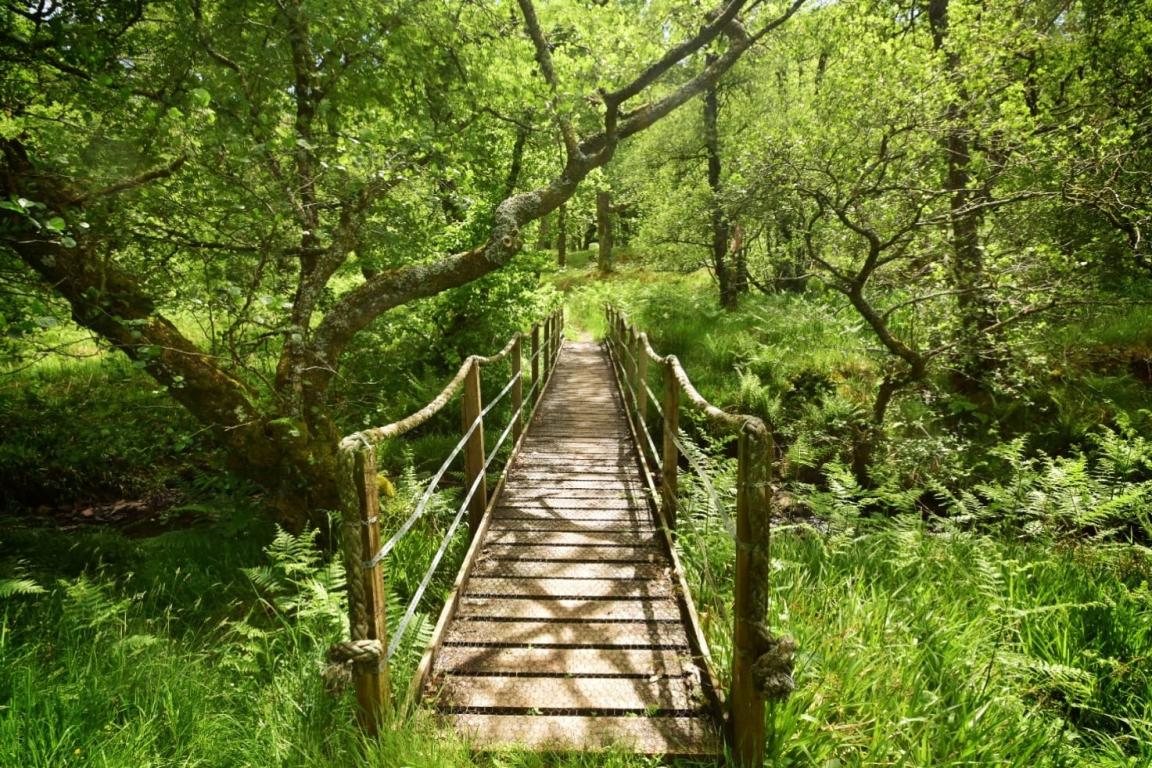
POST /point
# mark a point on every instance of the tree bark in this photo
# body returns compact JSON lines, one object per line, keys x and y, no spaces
{"x":721,"y":230}
{"x":544,"y":236}
{"x":284,"y":438}
{"x":967,"y":271}
{"x":604,"y":231}
{"x":562,"y":236}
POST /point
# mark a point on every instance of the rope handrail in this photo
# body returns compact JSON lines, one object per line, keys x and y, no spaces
{"x":680,"y":437}
{"x":418,"y":595}
{"x":736,"y":423}
{"x":422,"y":505}
{"x":369,"y":648}
{"x":760,"y":662}
{"x":647,"y":344}
{"x":413,"y":420}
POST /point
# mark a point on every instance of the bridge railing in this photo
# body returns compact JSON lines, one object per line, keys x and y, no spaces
{"x":755,"y":653}
{"x":366,"y":551}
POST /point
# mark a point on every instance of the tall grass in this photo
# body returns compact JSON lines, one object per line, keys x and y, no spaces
{"x":931,"y":645}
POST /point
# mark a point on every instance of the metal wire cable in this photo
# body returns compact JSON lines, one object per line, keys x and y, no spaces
{"x":422,"y":505}
{"x":414,"y":603}
{"x":408,"y":614}
{"x":654,"y":401}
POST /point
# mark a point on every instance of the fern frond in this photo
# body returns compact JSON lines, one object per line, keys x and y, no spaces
{"x":18,"y":587}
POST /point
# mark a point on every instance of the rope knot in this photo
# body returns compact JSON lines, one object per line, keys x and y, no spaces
{"x":772,"y":670}
{"x":356,"y":652}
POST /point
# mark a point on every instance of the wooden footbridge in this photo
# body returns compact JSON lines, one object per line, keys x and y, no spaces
{"x":570,"y":625}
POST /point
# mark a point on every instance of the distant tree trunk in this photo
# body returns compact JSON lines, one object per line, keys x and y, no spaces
{"x":604,"y":230}
{"x":739,"y":252}
{"x":967,"y":271}
{"x":729,"y":256}
{"x":721,"y":229}
{"x":562,"y":236}
{"x":791,"y":258}
{"x":544,"y":236}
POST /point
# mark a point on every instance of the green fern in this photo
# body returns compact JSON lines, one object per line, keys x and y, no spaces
{"x":300,"y":583}
{"x":90,"y":604}
{"x":17,"y":587}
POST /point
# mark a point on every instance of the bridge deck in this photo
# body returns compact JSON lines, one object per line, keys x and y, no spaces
{"x":569,"y":632}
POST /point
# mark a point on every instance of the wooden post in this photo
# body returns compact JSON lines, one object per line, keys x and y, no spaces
{"x":373,"y":693}
{"x":610,"y":329}
{"x":630,"y":362}
{"x":546,"y":346}
{"x":552,"y":342}
{"x":671,"y":452}
{"x":536,"y":361}
{"x":559,"y":335}
{"x":641,"y":379}
{"x":474,"y":448}
{"x":751,"y":597}
{"x":517,"y":390}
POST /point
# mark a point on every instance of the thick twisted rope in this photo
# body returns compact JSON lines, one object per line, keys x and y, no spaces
{"x":355,"y":652}
{"x":353,"y":547}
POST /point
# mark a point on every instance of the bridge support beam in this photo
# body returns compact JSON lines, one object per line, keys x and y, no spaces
{"x":471,"y":406}
{"x":671,"y":460}
{"x":368,"y":620}
{"x":750,"y":607}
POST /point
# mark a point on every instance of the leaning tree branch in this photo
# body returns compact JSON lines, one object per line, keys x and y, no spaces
{"x":112,"y":303}
{"x":389,"y":289}
{"x":135,"y":182}
{"x":548,"y":70}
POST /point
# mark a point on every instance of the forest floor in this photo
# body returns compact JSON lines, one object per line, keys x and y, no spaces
{"x":999,"y":632}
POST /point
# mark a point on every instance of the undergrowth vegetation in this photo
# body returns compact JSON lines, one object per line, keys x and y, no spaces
{"x":988,"y":604}
{"x":806,"y":364}
{"x":951,"y":641}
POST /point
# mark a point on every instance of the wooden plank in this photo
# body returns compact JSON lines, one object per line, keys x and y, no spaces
{"x":618,"y":485}
{"x":513,"y":569}
{"x":549,"y":456}
{"x":679,"y":736}
{"x":544,"y":472}
{"x":576,"y":554}
{"x":642,"y":694}
{"x":617,"y":443}
{"x":576,"y":472}
{"x":575,"y":519}
{"x":448,"y":612}
{"x":569,"y":609}
{"x":568,"y":503}
{"x":522,"y":587}
{"x":544,"y":633}
{"x":575,"y":661}
{"x":517,"y":495}
{"x":586,"y":538}
{"x":556,"y":436}
{"x":631,"y":523}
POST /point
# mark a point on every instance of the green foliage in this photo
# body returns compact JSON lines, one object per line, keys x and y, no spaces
{"x":936,"y":643}
{"x":1104,"y":495}
{"x":92,"y":427}
{"x":411,"y":352}
{"x":10,"y":588}
{"x":961,"y":648}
